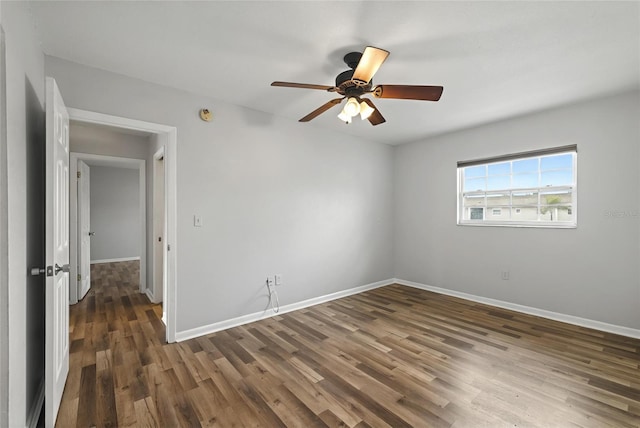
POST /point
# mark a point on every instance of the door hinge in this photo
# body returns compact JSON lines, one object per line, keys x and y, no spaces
{"x":78,"y":174}
{"x":79,"y":277}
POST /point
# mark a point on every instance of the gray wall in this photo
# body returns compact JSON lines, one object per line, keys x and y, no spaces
{"x":590,"y":272}
{"x":275,"y":196}
{"x":4,"y":248}
{"x":25,"y":200}
{"x":100,"y":140}
{"x":115,"y":213}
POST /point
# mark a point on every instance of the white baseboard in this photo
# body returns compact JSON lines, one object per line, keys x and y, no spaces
{"x":570,"y":319}
{"x":34,"y":412}
{"x":257,"y":316}
{"x":150,"y":295}
{"x":123,"y":259}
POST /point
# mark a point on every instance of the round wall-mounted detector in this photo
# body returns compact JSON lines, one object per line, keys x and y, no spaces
{"x":206,"y":115}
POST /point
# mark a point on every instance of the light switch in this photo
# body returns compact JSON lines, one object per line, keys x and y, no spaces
{"x":197,"y":221}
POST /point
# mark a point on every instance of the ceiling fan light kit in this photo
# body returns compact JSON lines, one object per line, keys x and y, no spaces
{"x":365,"y":110}
{"x":353,"y":84}
{"x":354,"y":107}
{"x":344,"y":117}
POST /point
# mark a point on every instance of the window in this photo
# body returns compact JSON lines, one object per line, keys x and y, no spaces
{"x":476,"y":213}
{"x":527,"y":189}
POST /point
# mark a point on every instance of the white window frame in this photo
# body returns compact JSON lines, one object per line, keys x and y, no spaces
{"x":511,"y":222}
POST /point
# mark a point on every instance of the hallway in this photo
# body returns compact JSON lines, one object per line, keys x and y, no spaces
{"x":113,"y":332}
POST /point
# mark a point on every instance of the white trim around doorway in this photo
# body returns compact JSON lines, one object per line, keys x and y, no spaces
{"x":168,"y":137}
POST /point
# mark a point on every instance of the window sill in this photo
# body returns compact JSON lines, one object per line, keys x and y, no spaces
{"x":525,"y":225}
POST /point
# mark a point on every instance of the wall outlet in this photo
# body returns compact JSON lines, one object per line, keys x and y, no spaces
{"x":504,"y":275}
{"x":278,"y":279}
{"x":270,"y":281}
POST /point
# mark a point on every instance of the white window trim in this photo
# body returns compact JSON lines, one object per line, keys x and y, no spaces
{"x":573,"y":224}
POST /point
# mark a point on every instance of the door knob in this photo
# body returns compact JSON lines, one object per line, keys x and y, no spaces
{"x":92,"y":233}
{"x":48,"y":270}
{"x":63,"y":268}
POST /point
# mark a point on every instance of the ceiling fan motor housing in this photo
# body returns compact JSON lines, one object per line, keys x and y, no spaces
{"x":346,"y":86}
{"x":343,"y":77}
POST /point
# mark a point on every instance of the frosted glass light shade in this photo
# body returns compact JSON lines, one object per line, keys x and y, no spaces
{"x":344,"y":117}
{"x":366,"y":110}
{"x":352,"y":107}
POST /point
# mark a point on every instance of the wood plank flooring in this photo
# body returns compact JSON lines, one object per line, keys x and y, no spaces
{"x":394,"y":356}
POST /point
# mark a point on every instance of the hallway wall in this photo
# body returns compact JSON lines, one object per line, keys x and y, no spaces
{"x":25,"y":213}
{"x":115,"y":213}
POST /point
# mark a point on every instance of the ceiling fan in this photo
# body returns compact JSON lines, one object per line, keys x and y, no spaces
{"x":353,"y":84}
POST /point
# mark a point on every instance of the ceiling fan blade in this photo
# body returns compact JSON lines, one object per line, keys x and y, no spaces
{"x":408,"y":92}
{"x":372,"y":59}
{"x":375,"y":118}
{"x":304,"y":86}
{"x":317,"y":112}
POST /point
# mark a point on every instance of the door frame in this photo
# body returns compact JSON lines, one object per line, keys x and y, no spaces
{"x":112,"y":162}
{"x":167,"y":135}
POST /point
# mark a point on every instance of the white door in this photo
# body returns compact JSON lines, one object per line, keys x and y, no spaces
{"x":84,"y":229}
{"x":158,"y":230}
{"x":56,"y":252}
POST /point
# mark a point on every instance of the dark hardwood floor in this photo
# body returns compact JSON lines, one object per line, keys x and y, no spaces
{"x":394,"y":356}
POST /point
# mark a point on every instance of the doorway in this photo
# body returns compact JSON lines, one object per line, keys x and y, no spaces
{"x":164,"y":140}
{"x":81,"y":165}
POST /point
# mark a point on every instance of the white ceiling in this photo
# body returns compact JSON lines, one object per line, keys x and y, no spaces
{"x":494,"y":59}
